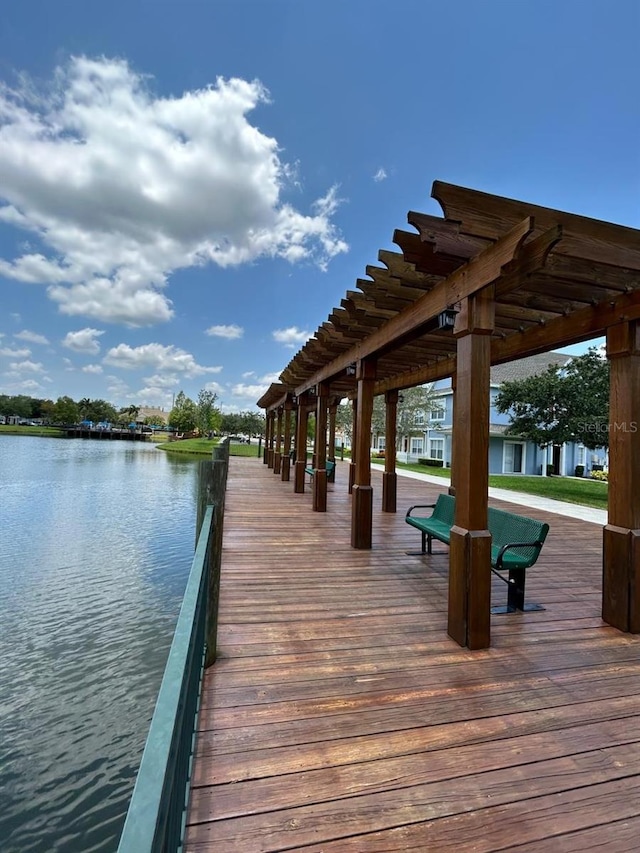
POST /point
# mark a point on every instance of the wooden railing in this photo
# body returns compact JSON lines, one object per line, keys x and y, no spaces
{"x":156,"y":816}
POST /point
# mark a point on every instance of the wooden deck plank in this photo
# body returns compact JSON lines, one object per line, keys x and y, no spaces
{"x":340,"y":717}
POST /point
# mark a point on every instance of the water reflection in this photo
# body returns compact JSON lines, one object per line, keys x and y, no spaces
{"x":97,"y":541}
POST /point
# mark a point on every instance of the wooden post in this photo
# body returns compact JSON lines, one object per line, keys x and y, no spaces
{"x":277,"y":456}
{"x":286,"y":456}
{"x":320,"y":450}
{"x":331,"y":456}
{"x":621,"y":542}
{"x":362,"y":504}
{"x":267,"y":429}
{"x":212,"y":482}
{"x":452,"y":484}
{"x":301,"y":445}
{"x":470,"y":551}
{"x":272,"y":435}
{"x":354,"y":441}
{"x":390,"y":478}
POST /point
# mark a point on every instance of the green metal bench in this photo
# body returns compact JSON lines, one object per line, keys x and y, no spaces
{"x":331,"y":467}
{"x":516,"y":542}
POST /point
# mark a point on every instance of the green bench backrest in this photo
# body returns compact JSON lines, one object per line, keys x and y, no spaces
{"x":506,"y":527}
{"x":445,"y":509}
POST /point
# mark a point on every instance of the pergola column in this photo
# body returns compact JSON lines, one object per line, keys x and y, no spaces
{"x":354,"y":441}
{"x":331,"y":456}
{"x":286,"y":453}
{"x":301,"y":445}
{"x":267,"y":429}
{"x":390,"y":477}
{"x":621,"y":545}
{"x":362,"y":504}
{"x":470,"y":551}
{"x":277,"y":456}
{"x":452,"y":465}
{"x":320,"y":449}
{"x":272,"y":436}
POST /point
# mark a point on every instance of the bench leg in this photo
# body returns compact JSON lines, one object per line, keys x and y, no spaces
{"x":427,"y":546}
{"x":515,"y":595}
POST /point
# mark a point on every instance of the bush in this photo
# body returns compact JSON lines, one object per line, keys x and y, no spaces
{"x":434,"y":463}
{"x":603,"y":476}
{"x":579,"y":472}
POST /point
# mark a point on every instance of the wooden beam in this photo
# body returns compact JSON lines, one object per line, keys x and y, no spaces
{"x":582,"y":325}
{"x":490,"y":216}
{"x":469,"y":279}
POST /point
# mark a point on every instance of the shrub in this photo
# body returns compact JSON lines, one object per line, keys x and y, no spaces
{"x":434,"y":463}
{"x":603,"y":476}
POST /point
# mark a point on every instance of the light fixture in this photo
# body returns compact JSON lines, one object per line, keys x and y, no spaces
{"x":351,"y":369}
{"x":447,"y":318}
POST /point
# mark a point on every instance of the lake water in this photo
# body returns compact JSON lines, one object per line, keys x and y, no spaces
{"x":96,"y":542}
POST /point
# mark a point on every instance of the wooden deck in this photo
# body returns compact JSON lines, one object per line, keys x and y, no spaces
{"x":340,"y":716}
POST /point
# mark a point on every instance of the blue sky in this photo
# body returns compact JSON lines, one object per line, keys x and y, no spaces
{"x":188,"y":189}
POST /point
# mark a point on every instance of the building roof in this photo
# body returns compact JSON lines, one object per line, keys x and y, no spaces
{"x":523,"y":368}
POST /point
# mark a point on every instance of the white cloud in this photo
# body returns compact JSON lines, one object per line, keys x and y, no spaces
{"x":291,"y":337}
{"x":31,"y":337}
{"x":231,"y":332}
{"x":26,"y":367}
{"x":29,"y":386}
{"x":163,"y":380}
{"x":270,"y":377}
{"x":84,"y":340}
{"x":92,"y":368}
{"x":215,"y":387}
{"x":122,"y":187}
{"x":15,"y":352}
{"x":251,"y":392}
{"x":380,"y":175}
{"x":156,"y":357}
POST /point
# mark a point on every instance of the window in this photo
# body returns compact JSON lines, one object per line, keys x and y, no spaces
{"x":382,"y":442}
{"x":418,"y":418}
{"x":437,"y":414}
{"x":513,"y":457}
{"x":581,"y":455}
{"x":436,"y":448}
{"x":417,"y":445}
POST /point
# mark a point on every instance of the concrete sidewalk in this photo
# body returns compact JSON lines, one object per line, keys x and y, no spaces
{"x":585,"y":513}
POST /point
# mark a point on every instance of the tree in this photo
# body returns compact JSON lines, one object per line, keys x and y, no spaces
{"x":208,"y":416}
{"x":252,"y":423}
{"x":97,"y":410}
{"x":564,"y":403}
{"x":65,"y":411}
{"x":184,"y":415}
{"x":414,"y":405}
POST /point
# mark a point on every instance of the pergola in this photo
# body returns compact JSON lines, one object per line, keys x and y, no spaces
{"x":493,"y":281}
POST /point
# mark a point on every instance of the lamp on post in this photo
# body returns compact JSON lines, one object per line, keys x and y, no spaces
{"x":447,"y":318}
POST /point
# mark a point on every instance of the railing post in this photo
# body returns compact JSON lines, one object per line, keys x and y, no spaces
{"x":212,"y":485}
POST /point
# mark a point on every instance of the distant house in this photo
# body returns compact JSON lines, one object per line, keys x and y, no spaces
{"x":509,"y":454}
{"x":158,"y":416}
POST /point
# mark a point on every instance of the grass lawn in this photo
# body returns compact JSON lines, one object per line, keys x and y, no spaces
{"x":12,"y":429}
{"x":204,"y":446}
{"x":570,"y":489}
